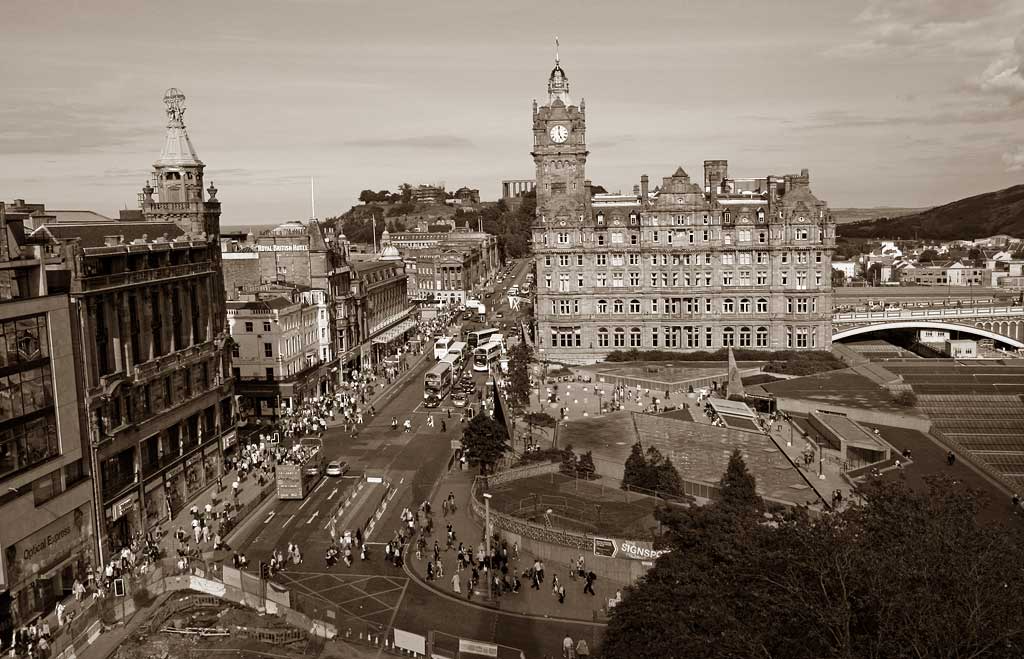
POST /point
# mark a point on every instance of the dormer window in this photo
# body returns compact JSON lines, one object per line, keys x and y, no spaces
{"x":760,"y":216}
{"x":600,"y":218}
{"x":727,"y":217}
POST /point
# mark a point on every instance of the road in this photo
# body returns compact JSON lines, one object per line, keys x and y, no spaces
{"x":374,"y":594}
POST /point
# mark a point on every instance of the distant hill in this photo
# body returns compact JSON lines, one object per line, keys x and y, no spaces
{"x":988,"y":214}
{"x":848,"y":215}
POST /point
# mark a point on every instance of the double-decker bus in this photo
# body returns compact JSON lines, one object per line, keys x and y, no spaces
{"x":437,"y":383}
{"x":480,"y":337}
{"x":460,"y":348}
{"x":457,"y":360}
{"x":485,"y":355}
{"x":300,"y":469}
{"x":441,"y":347}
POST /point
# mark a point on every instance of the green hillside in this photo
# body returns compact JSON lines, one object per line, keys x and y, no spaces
{"x":987,"y":214}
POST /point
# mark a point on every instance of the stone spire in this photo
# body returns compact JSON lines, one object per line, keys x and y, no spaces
{"x":178,"y":149}
{"x":558,"y":82}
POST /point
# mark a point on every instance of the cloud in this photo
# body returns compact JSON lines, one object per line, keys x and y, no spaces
{"x":1005,"y":75}
{"x":414,"y":142}
{"x":1014,"y":160}
{"x":936,"y":27}
{"x":40,"y":127}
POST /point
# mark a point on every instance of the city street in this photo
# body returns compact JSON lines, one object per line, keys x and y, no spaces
{"x":373,"y":594}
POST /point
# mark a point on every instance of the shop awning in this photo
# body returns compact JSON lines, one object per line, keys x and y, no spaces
{"x":389,"y":335}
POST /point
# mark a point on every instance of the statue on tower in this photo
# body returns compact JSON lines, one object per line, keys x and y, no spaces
{"x":175,"y":102}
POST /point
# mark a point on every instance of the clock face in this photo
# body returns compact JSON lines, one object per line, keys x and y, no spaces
{"x":559,"y":134}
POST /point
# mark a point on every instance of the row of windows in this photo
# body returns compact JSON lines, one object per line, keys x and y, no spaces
{"x":688,"y":336}
{"x":23,"y":340}
{"x":725,"y":258}
{"x":564,"y":238}
{"x":743,"y":278}
{"x":681,"y":220}
{"x":688,"y":305}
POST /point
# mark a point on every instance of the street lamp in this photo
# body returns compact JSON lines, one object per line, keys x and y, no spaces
{"x":487,"y":536}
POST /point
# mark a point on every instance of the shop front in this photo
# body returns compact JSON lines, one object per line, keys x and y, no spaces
{"x":155,"y":501}
{"x":175,"y":483}
{"x":124,"y":520}
{"x":213,"y":462}
{"x":41,"y":568}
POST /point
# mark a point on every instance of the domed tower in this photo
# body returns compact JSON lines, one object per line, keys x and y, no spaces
{"x":388,"y":252}
{"x":178,"y":177}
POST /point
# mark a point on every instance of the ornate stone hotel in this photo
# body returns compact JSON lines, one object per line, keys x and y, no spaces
{"x":689,"y":265}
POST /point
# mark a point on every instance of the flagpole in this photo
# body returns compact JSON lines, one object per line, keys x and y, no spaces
{"x":312,"y":196}
{"x":373,"y":232}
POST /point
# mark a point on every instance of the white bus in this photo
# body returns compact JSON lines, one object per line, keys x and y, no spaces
{"x":486,"y":355}
{"x":456,"y":360}
{"x":480,"y":337}
{"x":441,"y":347}
{"x":461,"y":349}
{"x":437,"y":383}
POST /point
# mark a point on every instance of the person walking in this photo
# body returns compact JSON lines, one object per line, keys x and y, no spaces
{"x":567,"y":647}
{"x":591,"y":578}
{"x":456,"y":584}
{"x":950,"y":458}
{"x":582,"y":649}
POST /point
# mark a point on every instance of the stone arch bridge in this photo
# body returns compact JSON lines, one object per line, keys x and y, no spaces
{"x":1002,"y":324}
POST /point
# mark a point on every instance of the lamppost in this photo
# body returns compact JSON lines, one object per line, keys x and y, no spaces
{"x":600,"y":406}
{"x":487,"y":539}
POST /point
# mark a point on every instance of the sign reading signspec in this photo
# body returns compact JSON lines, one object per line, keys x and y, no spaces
{"x":629,"y":549}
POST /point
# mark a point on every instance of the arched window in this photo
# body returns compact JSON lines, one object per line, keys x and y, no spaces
{"x":728,"y":337}
{"x":618,"y":307}
{"x":762,"y":337}
{"x":634,"y":306}
{"x":602,"y":337}
{"x":634,"y":338}
{"x":728,"y":305}
{"x":762,"y":305}
{"x":620,"y":337}
{"x":744,"y":337}
{"x":744,"y":306}
{"x":602,"y":306}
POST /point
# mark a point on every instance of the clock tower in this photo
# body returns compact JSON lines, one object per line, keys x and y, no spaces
{"x":562,"y":225}
{"x":560,"y":154}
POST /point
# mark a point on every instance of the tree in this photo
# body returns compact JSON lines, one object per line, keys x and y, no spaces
{"x":907,"y":574}
{"x":406,"y":192}
{"x":927,"y":256}
{"x":485,"y":440}
{"x":838,"y":279}
{"x":635,"y":470}
{"x":737,"y":486}
{"x":585,"y":466}
{"x":517,"y":391}
{"x":568,"y":465}
{"x":906,"y":398}
{"x":366,"y":196}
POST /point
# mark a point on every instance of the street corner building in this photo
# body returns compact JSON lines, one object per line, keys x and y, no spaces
{"x":741,"y":262}
{"x":148,"y":328}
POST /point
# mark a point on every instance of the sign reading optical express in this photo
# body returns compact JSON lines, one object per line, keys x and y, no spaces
{"x":631,"y":549}
{"x":46,"y":547}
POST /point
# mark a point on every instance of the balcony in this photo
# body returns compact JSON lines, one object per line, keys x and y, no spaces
{"x":94,"y":283}
{"x":176,"y":360}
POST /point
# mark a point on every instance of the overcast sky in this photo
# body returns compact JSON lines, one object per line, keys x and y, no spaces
{"x":887,"y":102}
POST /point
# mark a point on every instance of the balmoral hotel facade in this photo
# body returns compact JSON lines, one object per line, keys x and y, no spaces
{"x":690,"y":265}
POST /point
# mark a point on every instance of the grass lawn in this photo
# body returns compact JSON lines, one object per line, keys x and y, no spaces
{"x":574,"y":505}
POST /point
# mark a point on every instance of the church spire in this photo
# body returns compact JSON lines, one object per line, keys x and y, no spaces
{"x":558,"y":82}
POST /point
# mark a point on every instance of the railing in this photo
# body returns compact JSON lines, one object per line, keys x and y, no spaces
{"x":918,"y":314}
{"x":177,"y":359}
{"x":130,"y":277}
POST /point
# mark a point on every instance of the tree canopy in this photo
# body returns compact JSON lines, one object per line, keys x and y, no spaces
{"x":485,"y":440}
{"x":517,"y":392}
{"x":651,"y":471}
{"x":903,"y":574}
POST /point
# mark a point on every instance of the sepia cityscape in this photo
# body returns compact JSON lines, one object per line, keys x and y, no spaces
{"x":351,"y":330}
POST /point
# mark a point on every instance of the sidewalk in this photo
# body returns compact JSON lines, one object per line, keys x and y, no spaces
{"x":541,"y":603}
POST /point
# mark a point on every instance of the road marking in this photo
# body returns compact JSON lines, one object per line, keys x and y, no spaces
{"x":315,"y":515}
{"x":288,"y":521}
{"x":270,"y":517}
{"x":322,"y":483}
{"x":331,"y":495}
{"x":303,"y":504}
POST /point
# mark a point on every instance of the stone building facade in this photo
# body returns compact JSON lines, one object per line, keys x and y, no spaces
{"x":381,"y":296}
{"x":147,"y":298}
{"x":691,"y":265}
{"x":47,"y":538}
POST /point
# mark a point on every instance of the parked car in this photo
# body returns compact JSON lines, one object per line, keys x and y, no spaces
{"x":459,"y":399}
{"x":337,"y":468}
